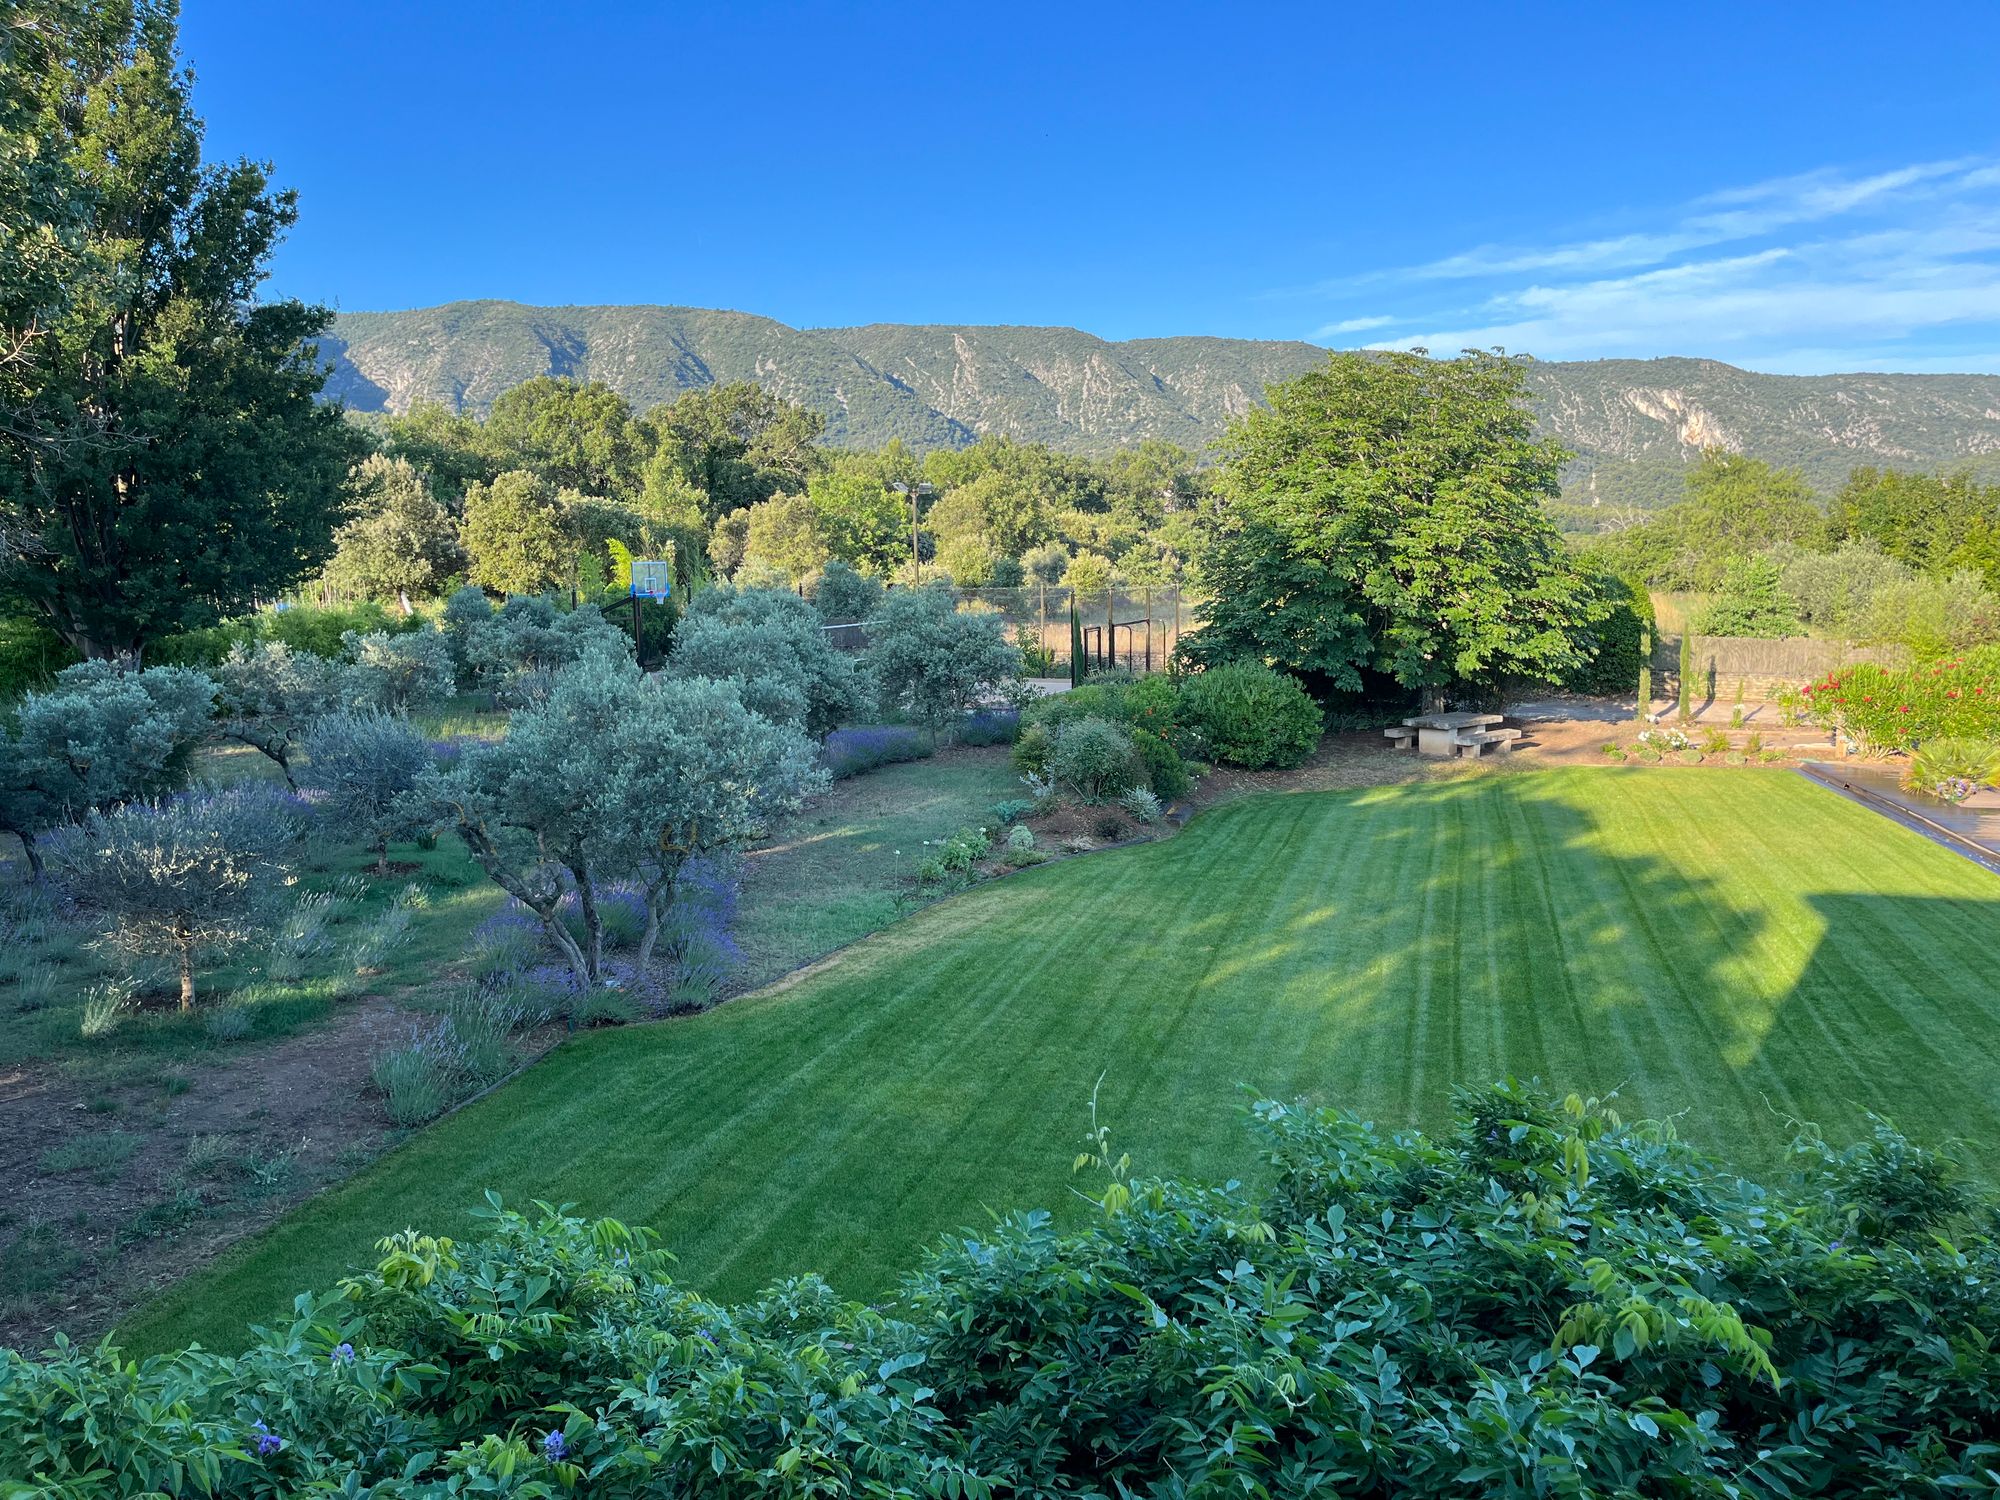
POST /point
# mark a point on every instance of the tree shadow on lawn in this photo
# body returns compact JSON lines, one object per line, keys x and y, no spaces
{"x":1368,"y":949}
{"x":1455,"y":932}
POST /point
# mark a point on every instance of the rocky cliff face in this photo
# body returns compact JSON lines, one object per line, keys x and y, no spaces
{"x":1635,"y":424}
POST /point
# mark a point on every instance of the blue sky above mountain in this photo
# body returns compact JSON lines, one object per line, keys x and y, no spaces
{"x":1829,"y":269}
{"x":1788,"y":188}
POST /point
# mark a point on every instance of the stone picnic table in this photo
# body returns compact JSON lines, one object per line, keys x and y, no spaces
{"x":1458,"y":733}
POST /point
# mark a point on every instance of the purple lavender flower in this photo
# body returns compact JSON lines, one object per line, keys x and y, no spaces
{"x":849,"y":752}
{"x":268,"y":1442}
{"x":555,"y":1447}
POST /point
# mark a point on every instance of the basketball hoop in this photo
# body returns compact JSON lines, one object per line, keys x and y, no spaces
{"x":652,"y":578}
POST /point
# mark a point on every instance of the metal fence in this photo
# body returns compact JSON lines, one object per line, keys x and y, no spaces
{"x":1134,"y":628}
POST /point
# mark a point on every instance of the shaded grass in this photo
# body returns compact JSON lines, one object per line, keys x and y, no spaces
{"x":1743,"y":949}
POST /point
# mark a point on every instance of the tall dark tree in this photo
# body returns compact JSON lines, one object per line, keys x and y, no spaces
{"x":575,"y":435}
{"x":163,"y":457}
{"x":1936,"y":523}
{"x":736,"y":444}
{"x":1387,"y":513}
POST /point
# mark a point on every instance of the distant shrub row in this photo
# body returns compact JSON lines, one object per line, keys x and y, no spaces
{"x":1103,"y":737}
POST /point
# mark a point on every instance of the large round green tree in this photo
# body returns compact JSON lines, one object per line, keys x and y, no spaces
{"x":1386,"y":513}
{"x":163,"y":457}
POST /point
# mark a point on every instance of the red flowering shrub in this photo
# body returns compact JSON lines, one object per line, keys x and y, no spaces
{"x":1889,"y":710}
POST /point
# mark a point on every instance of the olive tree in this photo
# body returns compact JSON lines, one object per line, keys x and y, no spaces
{"x":179,"y":878}
{"x":400,"y":671}
{"x":695,"y":774}
{"x":771,"y":643}
{"x":615,"y":775}
{"x":935,"y":661}
{"x":362,"y":767}
{"x":271,"y":693}
{"x":528,"y":807}
{"x":517,"y":649}
{"x":99,"y":738}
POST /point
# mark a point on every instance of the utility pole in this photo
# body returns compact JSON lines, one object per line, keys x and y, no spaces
{"x":916,"y":492}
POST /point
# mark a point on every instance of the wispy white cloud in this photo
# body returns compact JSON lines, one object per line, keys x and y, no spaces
{"x":1355,"y":325}
{"x":1901,"y":268}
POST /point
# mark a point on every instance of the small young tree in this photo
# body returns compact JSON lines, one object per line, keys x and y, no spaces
{"x":529,"y":807}
{"x":617,"y":775}
{"x":695,"y":774}
{"x":465,"y":613}
{"x":99,"y":738}
{"x":935,"y":661}
{"x":177,"y":879}
{"x":363,"y":765}
{"x":400,"y":672}
{"x":1686,"y":673}
{"x":270,"y":693}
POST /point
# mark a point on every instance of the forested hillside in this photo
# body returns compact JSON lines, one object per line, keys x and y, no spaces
{"x":1637,"y":425}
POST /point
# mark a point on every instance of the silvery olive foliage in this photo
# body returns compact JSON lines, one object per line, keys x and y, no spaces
{"x":100,"y":737}
{"x":773,"y":646}
{"x":181,"y":878}
{"x":402,"y":671}
{"x":361,"y":768}
{"x":517,"y":650}
{"x":615,"y":775}
{"x":935,"y":661}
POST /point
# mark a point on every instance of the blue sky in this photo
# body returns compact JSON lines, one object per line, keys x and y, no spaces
{"x":1795,"y":188}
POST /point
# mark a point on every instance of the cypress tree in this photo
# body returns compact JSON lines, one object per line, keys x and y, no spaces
{"x":1076,"y":663}
{"x":1687,"y":670}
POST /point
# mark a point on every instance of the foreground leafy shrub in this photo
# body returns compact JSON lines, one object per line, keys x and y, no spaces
{"x":952,"y":859}
{"x":1251,"y":716}
{"x":1544,"y":1301}
{"x":182,"y":879}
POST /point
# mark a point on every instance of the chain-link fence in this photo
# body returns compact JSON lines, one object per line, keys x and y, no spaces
{"x":1133,"y":628}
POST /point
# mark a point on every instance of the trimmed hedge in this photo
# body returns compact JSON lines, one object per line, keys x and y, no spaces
{"x":1544,"y":1301}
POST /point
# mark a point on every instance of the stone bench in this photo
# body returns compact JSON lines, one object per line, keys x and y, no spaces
{"x":1477,"y":742}
{"x":1401,"y":736}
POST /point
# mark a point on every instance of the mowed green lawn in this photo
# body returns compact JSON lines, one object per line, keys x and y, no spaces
{"x":1740,"y":950}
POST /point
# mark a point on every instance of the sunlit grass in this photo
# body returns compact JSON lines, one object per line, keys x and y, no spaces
{"x":1737,"y":951}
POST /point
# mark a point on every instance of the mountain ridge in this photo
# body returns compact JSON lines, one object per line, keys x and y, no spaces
{"x":1636,"y":425}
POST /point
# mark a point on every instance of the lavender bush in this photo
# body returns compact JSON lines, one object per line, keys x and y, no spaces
{"x":990,"y":726}
{"x":849,"y":752}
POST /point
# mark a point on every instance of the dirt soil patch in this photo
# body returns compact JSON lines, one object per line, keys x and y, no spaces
{"x":162,"y":1180}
